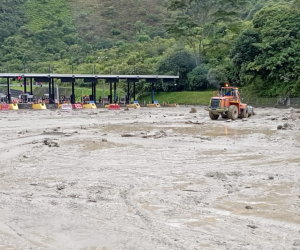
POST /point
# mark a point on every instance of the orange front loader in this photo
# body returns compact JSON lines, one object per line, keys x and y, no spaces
{"x":227,"y":103}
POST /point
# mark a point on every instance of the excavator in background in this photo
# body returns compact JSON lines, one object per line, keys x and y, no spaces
{"x":227,"y":103}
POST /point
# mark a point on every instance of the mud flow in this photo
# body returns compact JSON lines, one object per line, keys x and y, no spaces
{"x":160,"y":178}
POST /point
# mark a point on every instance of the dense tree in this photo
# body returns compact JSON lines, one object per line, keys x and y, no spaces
{"x":269,"y":55}
{"x":195,"y":20}
{"x":179,"y":62}
{"x":197,"y":78}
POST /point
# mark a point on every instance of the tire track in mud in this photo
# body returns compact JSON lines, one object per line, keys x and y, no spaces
{"x":159,"y":234}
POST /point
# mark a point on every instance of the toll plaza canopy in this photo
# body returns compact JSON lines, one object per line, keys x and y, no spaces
{"x":93,"y":78}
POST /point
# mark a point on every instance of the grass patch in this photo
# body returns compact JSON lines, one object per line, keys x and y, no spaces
{"x":184,"y":97}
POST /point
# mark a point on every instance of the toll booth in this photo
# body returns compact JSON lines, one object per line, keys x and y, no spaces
{"x":123,"y":100}
{"x":25,"y":98}
{"x":2,"y":98}
{"x":105,"y":100}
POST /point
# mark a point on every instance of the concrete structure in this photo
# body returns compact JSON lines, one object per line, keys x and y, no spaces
{"x":71,"y":78}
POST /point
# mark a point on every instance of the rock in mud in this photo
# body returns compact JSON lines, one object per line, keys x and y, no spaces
{"x":296,"y":243}
{"x":193,"y":110}
{"x":216,"y":175}
{"x":50,"y":143}
{"x":60,"y":186}
{"x":129,"y":135}
{"x":286,"y":125}
{"x":252,"y":226}
{"x":279,"y":127}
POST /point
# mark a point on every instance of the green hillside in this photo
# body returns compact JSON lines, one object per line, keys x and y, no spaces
{"x":253,"y":43}
{"x":106,"y":21}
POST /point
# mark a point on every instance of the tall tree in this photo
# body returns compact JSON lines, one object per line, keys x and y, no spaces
{"x":194,"y":21}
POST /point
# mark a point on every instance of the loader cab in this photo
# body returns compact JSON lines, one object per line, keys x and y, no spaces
{"x":230,"y":92}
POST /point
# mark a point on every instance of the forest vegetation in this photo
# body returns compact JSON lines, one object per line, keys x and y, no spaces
{"x":253,"y":44}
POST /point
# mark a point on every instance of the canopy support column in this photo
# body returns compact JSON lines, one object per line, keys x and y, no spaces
{"x":115,"y":92}
{"x":31,"y":92}
{"x":8,"y":91}
{"x":73,"y":92}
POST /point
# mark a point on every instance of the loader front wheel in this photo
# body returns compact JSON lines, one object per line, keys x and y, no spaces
{"x":245,"y":113}
{"x":233,"y":112}
{"x":213,"y":116}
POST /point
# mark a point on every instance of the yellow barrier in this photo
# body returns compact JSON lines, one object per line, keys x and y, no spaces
{"x":175,"y":105}
{"x":134,"y":106}
{"x":13,"y":106}
{"x":89,"y":106}
{"x":106,"y":106}
{"x":38,"y":106}
{"x":153,"y":105}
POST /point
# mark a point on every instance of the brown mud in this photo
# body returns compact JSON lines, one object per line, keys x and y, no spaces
{"x":149,"y":179}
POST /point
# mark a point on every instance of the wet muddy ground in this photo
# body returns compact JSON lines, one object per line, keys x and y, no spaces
{"x":149,"y":179}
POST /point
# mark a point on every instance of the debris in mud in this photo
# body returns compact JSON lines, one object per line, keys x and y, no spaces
{"x":190,"y":190}
{"x":216,"y":175}
{"x":203,"y":137}
{"x":54,"y":203}
{"x":286,"y":125}
{"x":50,"y":143}
{"x":271,"y":177}
{"x":60,"y":186}
{"x":73,"y":195}
{"x":104,"y":140}
{"x":279,"y":127}
{"x":296,"y":243}
{"x":156,"y":135}
{"x":194,"y":122}
{"x":252,"y":226}
{"x":244,"y":119}
{"x":129,"y":135}
{"x":193,"y":110}
{"x":248,"y":207}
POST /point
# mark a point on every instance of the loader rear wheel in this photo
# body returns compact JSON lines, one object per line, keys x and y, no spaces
{"x":251,"y":113}
{"x":244,"y":114}
{"x":213,"y":116}
{"x":233,"y":112}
